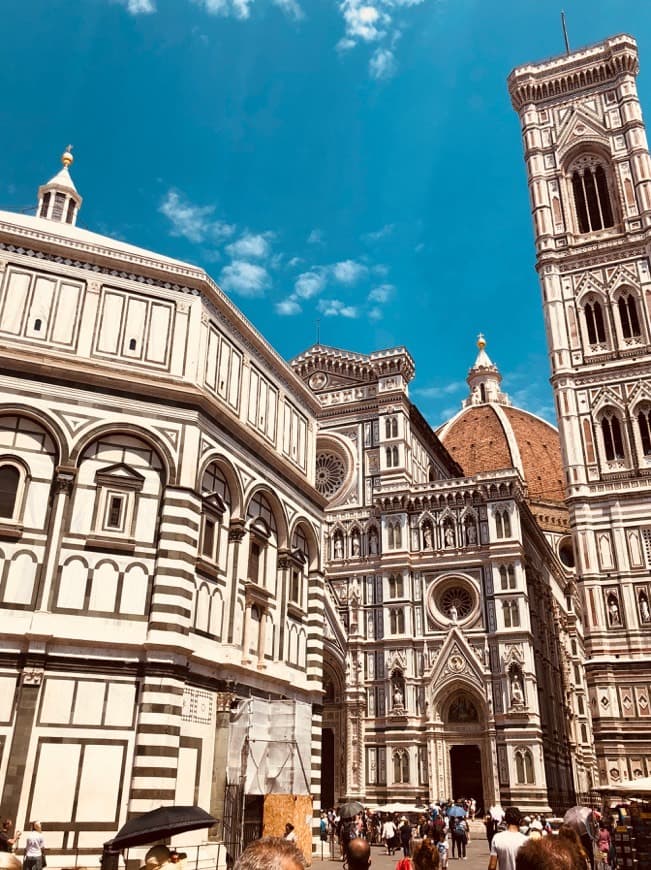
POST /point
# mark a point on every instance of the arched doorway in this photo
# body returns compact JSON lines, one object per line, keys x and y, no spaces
{"x":465,"y":770}
{"x":327,"y":768}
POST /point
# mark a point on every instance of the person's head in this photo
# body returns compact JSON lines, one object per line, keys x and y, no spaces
{"x":7,"y":825}
{"x":549,"y":853}
{"x":425,"y":855}
{"x":271,"y":853}
{"x":156,"y":857}
{"x":358,"y":854}
{"x":9,"y":861}
{"x":512,"y":816}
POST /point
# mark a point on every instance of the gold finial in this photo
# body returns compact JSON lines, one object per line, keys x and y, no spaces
{"x":66,"y":157}
{"x":481,"y":341}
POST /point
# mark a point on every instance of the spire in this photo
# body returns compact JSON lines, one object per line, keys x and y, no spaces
{"x":484,"y":380}
{"x":58,"y":199}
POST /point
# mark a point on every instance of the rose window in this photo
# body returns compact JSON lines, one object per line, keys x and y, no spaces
{"x":330,"y":474}
{"x":458,"y":597}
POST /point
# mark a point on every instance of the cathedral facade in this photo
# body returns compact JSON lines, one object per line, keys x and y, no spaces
{"x":228,"y":579}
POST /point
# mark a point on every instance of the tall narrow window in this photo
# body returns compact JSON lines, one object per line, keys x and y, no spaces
{"x":511,"y":614}
{"x":387,"y":427}
{"x":594,"y":321}
{"x":389,"y":457}
{"x":591,"y":195}
{"x":507,"y":524}
{"x":644,"y":424}
{"x":499,"y":525}
{"x":395,"y":457}
{"x":394,"y":427}
{"x":45,"y":204}
{"x":612,"y":435}
{"x":9,"y":480}
{"x":628,"y":316}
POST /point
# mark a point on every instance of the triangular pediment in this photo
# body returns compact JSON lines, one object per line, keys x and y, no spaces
{"x":590,"y":281}
{"x":580,"y":125}
{"x":456,"y":661}
{"x":606,"y":397}
{"x":120,"y":475}
{"x":624,"y":273}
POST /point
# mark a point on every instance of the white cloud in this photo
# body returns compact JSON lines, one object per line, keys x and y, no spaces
{"x":364,"y":21}
{"x":295,"y":261}
{"x":238,"y":8}
{"x":437,"y":392}
{"x":290,"y":8}
{"x":309,"y":284}
{"x":348,"y":271}
{"x":315,"y":237}
{"x":138,"y":7}
{"x":336,"y":308}
{"x":247,"y":279}
{"x":382,"y":233}
{"x":381,"y":294}
{"x":254,"y":245}
{"x":375,"y":314}
{"x":193,"y":222}
{"x":288,"y":307}
{"x":382,"y":64}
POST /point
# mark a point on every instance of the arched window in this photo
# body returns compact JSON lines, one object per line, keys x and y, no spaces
{"x":628,"y":319}
{"x":499,"y":525}
{"x":482,"y":392}
{"x":389,"y":457}
{"x":594,"y":321}
{"x":511,"y":614}
{"x":591,"y":195}
{"x":507,"y":524}
{"x":387,"y":427}
{"x":262,"y":530}
{"x":524,"y":767}
{"x":644,"y":425}
{"x":401,"y":767}
{"x":216,"y":496}
{"x":397,"y":621}
{"x":396,"y":588}
{"x":507,"y":577}
{"x":611,"y":431}
{"x":395,"y":457}
{"x":394,"y":427}
{"x":9,"y":483}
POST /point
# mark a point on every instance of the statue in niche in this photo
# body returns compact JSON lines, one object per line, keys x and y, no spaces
{"x":356,"y":546}
{"x":373,"y":542}
{"x":454,"y":614}
{"x":613,"y":611}
{"x":645,"y":614}
{"x":355,"y":593}
{"x":397,"y":699}
{"x":517,"y":695}
{"x":448,"y":536}
{"x":427,"y":536}
{"x":370,"y":622}
{"x":471,"y":533}
{"x":339,"y":547}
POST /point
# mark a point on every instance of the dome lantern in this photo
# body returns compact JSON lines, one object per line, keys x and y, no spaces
{"x":484,"y":380}
{"x":58,"y":199}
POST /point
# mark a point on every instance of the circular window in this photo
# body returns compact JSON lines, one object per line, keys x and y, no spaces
{"x":330,"y":474}
{"x":566,"y":552}
{"x":453,"y":599}
{"x":457,"y":597}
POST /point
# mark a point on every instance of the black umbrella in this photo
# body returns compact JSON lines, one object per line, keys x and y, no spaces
{"x":158,"y":825}
{"x":350,"y":810}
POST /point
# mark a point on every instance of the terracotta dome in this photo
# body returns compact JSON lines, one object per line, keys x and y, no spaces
{"x":492,"y":437}
{"x":488,"y":434}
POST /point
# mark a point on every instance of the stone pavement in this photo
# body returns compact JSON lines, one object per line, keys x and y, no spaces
{"x":477,"y":855}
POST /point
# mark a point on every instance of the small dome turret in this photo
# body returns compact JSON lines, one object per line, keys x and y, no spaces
{"x":58,"y":199}
{"x":484,"y":380}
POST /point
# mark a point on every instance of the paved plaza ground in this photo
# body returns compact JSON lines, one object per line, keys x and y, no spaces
{"x":477,"y":853}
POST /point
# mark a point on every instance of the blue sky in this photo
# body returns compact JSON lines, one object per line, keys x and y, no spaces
{"x":353,"y":162}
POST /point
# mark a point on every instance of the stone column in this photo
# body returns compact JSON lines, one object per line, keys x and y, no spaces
{"x":223,"y":702}
{"x":61,"y":490}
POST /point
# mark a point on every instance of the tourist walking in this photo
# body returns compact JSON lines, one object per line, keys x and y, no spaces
{"x":505,"y":844}
{"x":459,"y":828}
{"x":388,"y":835}
{"x":34,"y":849}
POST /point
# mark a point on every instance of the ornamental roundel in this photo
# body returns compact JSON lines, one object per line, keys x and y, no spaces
{"x":330,"y":473}
{"x":453,"y":599}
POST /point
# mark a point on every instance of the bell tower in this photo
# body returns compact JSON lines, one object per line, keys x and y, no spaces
{"x":589,"y":179}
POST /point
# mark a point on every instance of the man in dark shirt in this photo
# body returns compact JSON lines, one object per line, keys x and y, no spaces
{"x":7,"y":842}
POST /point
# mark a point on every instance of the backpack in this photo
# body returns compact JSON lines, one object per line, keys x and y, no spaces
{"x":460,"y":827}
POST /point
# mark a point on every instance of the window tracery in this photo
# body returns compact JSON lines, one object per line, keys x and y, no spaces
{"x":629,"y":320}
{"x":644,"y":428}
{"x":594,"y":322}
{"x":591,"y":193}
{"x":330,"y":473}
{"x":611,"y":432}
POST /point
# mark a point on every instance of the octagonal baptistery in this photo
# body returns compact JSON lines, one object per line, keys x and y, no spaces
{"x":489,"y":434}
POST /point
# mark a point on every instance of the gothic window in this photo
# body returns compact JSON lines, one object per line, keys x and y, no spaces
{"x":511,"y":614}
{"x":502,"y":524}
{"x":401,"y":766}
{"x":298,"y":564}
{"x":594,"y":321}
{"x":397,"y":621}
{"x":389,"y":457}
{"x":463,"y":709}
{"x":591,"y":195}
{"x":393,"y":457}
{"x":628,"y":317}
{"x":507,"y":577}
{"x":394,"y":536}
{"x":524,"y":767}
{"x":644,"y":425}
{"x":10,"y":481}
{"x":611,"y":431}
{"x":330,"y":473}
{"x":391,"y":427}
{"x":396,"y":588}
